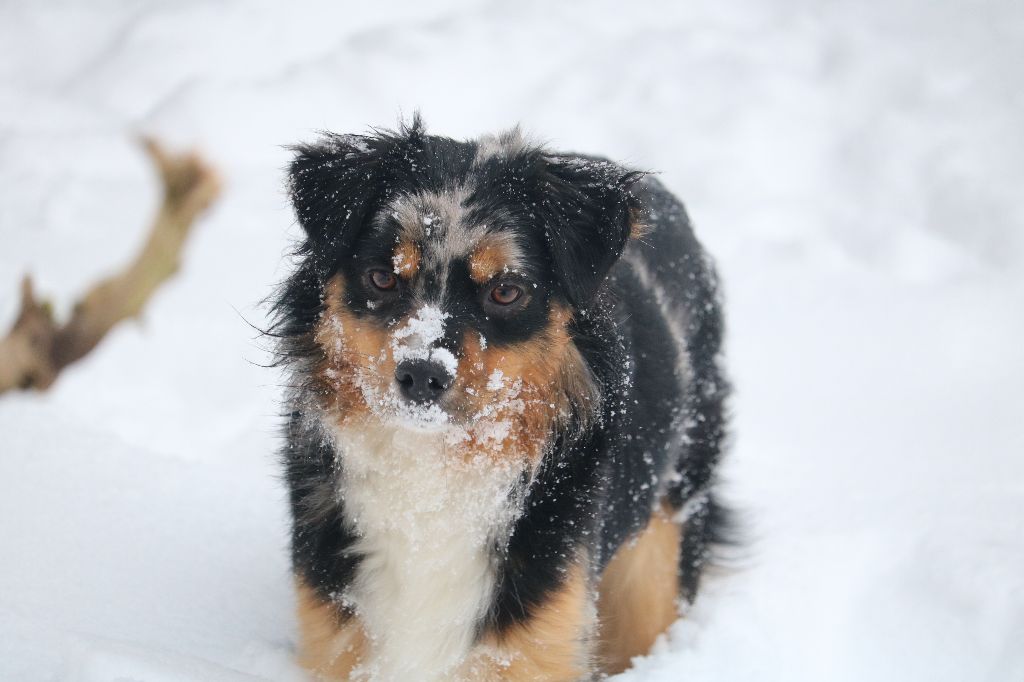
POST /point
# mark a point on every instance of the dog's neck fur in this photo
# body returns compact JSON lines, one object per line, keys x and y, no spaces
{"x":429,"y":521}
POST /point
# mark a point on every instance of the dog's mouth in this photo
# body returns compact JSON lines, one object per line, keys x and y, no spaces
{"x":426,"y":415}
{"x":454,"y":406}
{"x":411,"y":402}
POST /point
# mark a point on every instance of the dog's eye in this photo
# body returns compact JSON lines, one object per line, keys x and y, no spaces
{"x":383,"y":280}
{"x":506,"y":294}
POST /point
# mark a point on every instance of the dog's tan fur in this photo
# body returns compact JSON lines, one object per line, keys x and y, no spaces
{"x":546,"y":374}
{"x":494,"y":254}
{"x":406,"y":259}
{"x":638,"y":593}
{"x":554,"y":644}
{"x":351,"y":349}
{"x":331,"y":643}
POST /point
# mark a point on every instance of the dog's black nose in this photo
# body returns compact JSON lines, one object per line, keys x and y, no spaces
{"x":422,"y":380}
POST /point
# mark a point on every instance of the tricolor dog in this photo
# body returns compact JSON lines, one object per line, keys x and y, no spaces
{"x":505,"y":409}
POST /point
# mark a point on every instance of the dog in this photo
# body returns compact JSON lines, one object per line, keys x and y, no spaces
{"x":505,"y":408}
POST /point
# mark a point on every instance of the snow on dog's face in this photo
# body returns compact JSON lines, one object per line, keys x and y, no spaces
{"x":448,"y":277}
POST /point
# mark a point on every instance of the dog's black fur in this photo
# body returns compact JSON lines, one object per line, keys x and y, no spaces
{"x":662,"y":397}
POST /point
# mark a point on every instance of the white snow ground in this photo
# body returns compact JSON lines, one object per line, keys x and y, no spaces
{"x":854,"y":166}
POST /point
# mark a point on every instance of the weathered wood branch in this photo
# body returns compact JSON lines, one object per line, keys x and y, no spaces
{"x":37,"y":348}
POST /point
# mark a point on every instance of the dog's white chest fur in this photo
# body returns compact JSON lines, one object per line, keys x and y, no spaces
{"x":427,"y":521}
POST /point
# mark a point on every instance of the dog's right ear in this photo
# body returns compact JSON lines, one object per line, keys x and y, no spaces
{"x":334,"y":185}
{"x":338,"y":183}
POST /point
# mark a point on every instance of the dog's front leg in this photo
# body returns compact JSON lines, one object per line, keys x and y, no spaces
{"x":554,"y":644}
{"x":331,"y":643}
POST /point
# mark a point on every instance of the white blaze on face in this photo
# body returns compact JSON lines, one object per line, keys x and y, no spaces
{"x":416,"y":339}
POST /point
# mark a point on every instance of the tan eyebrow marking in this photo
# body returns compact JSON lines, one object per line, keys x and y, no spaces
{"x":494,"y":254}
{"x":406,"y":259}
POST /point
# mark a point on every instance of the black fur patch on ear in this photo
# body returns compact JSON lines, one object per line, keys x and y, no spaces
{"x":338,"y":183}
{"x":588,"y":210}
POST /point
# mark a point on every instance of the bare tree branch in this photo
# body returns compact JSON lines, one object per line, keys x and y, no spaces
{"x":36,"y":349}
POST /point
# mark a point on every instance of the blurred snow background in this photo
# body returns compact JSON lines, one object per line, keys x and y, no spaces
{"x":854,"y":167}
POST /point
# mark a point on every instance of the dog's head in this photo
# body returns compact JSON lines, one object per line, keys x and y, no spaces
{"x":447,"y":276}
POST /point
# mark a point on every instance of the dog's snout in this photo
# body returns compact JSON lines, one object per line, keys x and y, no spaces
{"x":422,"y":380}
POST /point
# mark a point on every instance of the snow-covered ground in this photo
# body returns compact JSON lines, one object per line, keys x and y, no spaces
{"x":854,"y":166}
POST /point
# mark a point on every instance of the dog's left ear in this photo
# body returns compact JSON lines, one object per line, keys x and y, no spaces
{"x":589,"y":213}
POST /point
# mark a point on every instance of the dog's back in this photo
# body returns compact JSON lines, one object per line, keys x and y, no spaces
{"x":669,"y":303}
